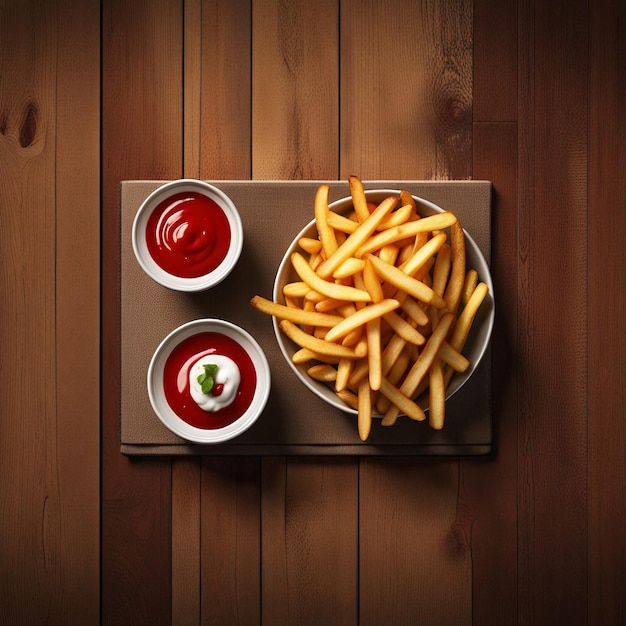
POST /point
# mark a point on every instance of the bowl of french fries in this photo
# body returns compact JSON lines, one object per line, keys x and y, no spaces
{"x":382,"y":305}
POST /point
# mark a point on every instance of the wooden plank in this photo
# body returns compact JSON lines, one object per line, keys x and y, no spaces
{"x":294,"y":90}
{"x":414,"y":553}
{"x":141,"y":138}
{"x":78,"y":305}
{"x":406,"y":89}
{"x":552,"y":347}
{"x":49,"y":444}
{"x":489,"y":487}
{"x":606,"y":306}
{"x":413,"y":119}
{"x":224,"y":150}
{"x":29,"y":488}
{"x":495,"y":61}
{"x":309,"y":541}
{"x":186,"y":536}
{"x":192,"y":87}
{"x":230,"y":560}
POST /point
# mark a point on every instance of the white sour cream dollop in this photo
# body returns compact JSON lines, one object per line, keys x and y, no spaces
{"x":227,"y":375}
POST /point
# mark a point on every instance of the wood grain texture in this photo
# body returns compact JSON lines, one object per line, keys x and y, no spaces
{"x":606,"y":305}
{"x":49,"y":500}
{"x":495,"y":61}
{"x":230,"y":527}
{"x":406,"y":89}
{"x":141,"y":138}
{"x":409,"y":515}
{"x":294,"y":90}
{"x":186,"y":540}
{"x":552,"y":348}
{"x":489,"y":487}
{"x":77,"y":173}
{"x":309,"y":541}
{"x":192,"y":87}
{"x":225,"y":89}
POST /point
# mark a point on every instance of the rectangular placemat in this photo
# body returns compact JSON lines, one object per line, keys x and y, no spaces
{"x":295,"y":421}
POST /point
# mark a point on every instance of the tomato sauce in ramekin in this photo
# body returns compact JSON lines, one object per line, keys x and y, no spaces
{"x":176,"y":379}
{"x":188,"y":235}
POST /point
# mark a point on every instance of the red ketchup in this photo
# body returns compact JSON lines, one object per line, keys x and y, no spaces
{"x":176,"y":379}
{"x":188,"y":234}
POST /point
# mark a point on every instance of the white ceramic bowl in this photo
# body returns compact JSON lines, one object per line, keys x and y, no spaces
{"x":166,"y":413}
{"x":162,"y":195}
{"x":478,"y":338}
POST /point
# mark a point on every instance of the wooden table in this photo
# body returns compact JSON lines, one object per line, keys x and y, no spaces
{"x":529,"y":95}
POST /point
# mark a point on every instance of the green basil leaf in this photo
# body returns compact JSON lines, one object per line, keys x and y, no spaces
{"x":207,"y":385}
{"x":207,"y":378}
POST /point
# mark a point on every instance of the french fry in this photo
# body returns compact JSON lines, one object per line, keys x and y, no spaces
{"x":407,"y":198}
{"x":374,"y":359}
{"x":349,"y":267}
{"x":361,"y":317}
{"x":453,"y":358}
{"x":441,"y":269}
{"x":314,"y":296}
{"x":360,"y":348}
{"x":404,"y":329}
{"x":315,"y":260}
{"x":326,"y":288}
{"x":423,"y":254}
{"x":359,"y":201}
{"x":364,"y":410}
{"x":392,"y":351}
{"x":397,"y":218}
{"x":399,"y":368}
{"x":389,"y":253}
{"x":321,"y":346}
{"x":341,"y":223}
{"x":471,"y":280}
{"x":464,"y":323}
{"x":436,"y":396}
{"x":412,"y":308}
{"x":454,"y":289}
{"x":349,"y":398}
{"x":310,"y":245}
{"x":328,"y":304}
{"x":305,"y":355}
{"x":344,"y":369}
{"x":297,"y":289}
{"x":298,"y":316}
{"x":326,"y":233}
{"x":360,"y":372}
{"x":323,"y":372}
{"x":353,"y":338}
{"x":370,"y":282}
